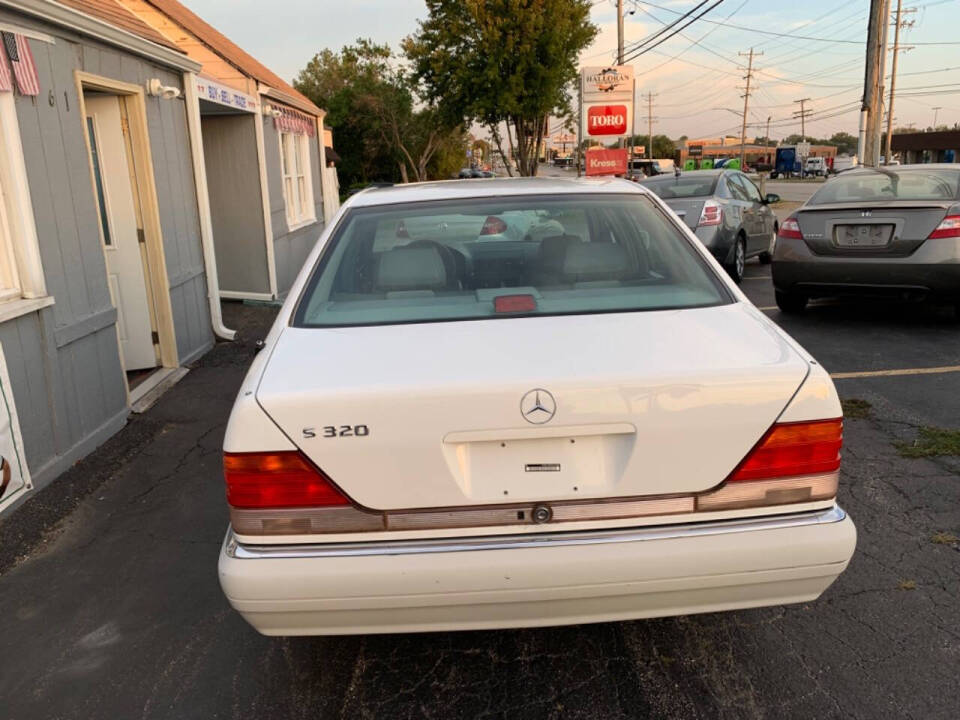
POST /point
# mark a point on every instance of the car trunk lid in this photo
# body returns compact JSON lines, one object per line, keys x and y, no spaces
{"x":869,"y":229}
{"x":688,"y":209}
{"x":438,"y":415}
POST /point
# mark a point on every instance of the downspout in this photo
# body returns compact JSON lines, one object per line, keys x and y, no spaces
{"x":203,"y":205}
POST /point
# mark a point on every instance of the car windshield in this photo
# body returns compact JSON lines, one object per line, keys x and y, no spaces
{"x":503,"y":257}
{"x":900,"y":184}
{"x":683,"y":186}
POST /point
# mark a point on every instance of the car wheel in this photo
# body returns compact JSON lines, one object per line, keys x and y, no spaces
{"x":791,"y":302}
{"x":767,"y":257}
{"x":739,"y":261}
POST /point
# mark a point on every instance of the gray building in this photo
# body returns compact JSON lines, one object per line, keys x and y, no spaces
{"x":264,"y":158}
{"x":104,"y":267}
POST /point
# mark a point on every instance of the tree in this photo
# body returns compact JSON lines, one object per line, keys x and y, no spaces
{"x":383,"y":131}
{"x":502,"y":63}
{"x":845,"y":142}
{"x":663,"y":147}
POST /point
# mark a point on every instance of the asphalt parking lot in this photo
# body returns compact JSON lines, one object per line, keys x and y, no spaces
{"x":111,"y":607}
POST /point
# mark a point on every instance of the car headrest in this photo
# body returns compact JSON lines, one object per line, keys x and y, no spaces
{"x":596,"y":261}
{"x":418,"y":268}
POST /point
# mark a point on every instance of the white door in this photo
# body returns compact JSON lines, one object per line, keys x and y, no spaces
{"x":118,"y":222}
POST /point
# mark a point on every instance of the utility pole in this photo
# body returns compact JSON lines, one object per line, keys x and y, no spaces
{"x":802,"y":114}
{"x":619,"y":32}
{"x":870,"y":109}
{"x":650,"y":124}
{"x":767,"y":136}
{"x":936,"y":110}
{"x":746,"y":103}
{"x":893,"y":74}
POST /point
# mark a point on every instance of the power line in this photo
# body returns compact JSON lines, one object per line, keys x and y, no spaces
{"x":792,"y":36}
{"x":662,"y":40}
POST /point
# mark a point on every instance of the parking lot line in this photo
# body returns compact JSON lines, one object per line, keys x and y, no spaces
{"x":756,"y":277}
{"x":893,"y":373}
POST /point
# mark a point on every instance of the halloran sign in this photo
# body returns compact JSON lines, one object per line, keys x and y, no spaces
{"x":606,"y":101}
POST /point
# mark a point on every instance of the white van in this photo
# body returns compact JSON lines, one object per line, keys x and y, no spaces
{"x":844,"y":162}
{"x":816,"y":166}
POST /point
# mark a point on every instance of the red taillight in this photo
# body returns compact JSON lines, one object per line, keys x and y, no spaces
{"x":949,"y":228}
{"x":712,"y":214}
{"x":402,"y":230}
{"x":791,"y":449}
{"x":493,"y":226}
{"x":790,"y":229}
{"x":277,"y":480}
{"x":514,"y":303}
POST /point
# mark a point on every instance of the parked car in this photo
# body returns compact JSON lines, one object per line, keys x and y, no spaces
{"x":588,"y":424}
{"x":725,"y":210}
{"x":873,"y":231}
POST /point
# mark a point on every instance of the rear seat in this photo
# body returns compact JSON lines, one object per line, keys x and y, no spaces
{"x":419,"y":270}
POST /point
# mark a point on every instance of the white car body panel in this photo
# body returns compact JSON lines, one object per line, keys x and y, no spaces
{"x":657,"y":402}
{"x":626,"y":386}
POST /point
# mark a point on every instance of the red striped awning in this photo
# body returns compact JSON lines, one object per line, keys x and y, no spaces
{"x":292,"y":121}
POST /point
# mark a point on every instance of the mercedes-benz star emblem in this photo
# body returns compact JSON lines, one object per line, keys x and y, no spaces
{"x":538,"y":406}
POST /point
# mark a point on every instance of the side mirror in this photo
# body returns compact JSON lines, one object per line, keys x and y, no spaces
{"x":771,"y":199}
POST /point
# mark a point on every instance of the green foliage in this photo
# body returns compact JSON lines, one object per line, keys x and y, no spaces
{"x":382,"y":131}
{"x":501,"y":61}
{"x":663,"y":147}
{"x":845,"y":142}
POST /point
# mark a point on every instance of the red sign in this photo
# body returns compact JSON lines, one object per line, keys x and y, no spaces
{"x":606,"y":162}
{"x":607,"y":120}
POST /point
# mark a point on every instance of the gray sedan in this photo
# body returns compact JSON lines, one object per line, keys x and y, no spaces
{"x":874,"y":231}
{"x":726,"y":212}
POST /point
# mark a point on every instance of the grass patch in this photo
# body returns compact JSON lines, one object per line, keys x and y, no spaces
{"x":943,"y":538}
{"x":907,"y":585}
{"x":931,"y":442}
{"x":855,"y":408}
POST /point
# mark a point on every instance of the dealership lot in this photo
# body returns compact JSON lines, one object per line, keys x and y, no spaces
{"x":113,"y":609}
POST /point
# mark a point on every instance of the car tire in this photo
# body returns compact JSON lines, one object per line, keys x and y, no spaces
{"x":738,"y":261}
{"x":791,"y":303}
{"x":767,"y":257}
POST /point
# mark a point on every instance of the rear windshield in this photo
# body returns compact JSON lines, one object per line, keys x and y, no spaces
{"x":912,"y":184}
{"x":503,"y":257}
{"x":682,"y":187}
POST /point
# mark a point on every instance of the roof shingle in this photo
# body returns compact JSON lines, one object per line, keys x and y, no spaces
{"x":115,"y":14}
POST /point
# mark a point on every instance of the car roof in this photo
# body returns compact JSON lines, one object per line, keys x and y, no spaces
{"x":897,"y":168}
{"x":490,"y":187}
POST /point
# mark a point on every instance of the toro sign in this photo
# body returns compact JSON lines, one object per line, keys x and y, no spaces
{"x":607,"y":120}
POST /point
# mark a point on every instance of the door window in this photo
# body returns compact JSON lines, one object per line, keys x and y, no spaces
{"x":738,"y":191}
{"x":104,"y":216}
{"x":752,"y":192}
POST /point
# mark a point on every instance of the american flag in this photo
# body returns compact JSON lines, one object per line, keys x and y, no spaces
{"x":6,"y":82}
{"x":21,"y":60}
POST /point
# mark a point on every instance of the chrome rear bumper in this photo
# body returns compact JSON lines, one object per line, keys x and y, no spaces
{"x":234,"y":549}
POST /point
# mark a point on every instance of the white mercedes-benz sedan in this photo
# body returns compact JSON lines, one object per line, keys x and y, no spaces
{"x":510,"y":403}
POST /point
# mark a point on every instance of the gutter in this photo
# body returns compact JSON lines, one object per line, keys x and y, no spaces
{"x":299,"y":104}
{"x":203,"y":206}
{"x":63,"y":16}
